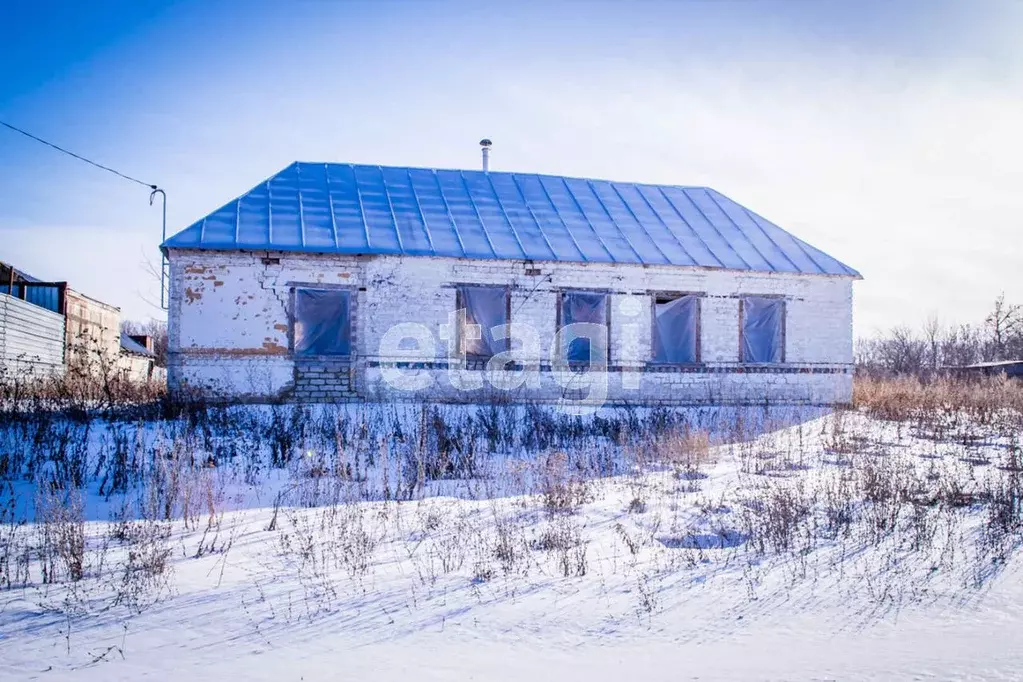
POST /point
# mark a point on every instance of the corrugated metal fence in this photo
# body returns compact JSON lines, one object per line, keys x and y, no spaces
{"x":31,"y":337}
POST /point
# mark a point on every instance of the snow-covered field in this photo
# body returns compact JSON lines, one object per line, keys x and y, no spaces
{"x":412,"y":543}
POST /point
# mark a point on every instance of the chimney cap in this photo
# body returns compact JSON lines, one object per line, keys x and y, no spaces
{"x":485,"y":142}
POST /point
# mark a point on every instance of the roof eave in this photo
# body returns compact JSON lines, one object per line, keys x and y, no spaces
{"x":227,"y":248}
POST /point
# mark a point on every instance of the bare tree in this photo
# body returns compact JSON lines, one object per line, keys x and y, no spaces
{"x":1005,"y":324}
{"x":962,"y":345}
{"x":905,"y":351}
{"x":932,"y":335}
{"x":900,"y":351}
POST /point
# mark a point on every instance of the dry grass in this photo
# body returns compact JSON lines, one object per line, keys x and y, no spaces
{"x":563,"y":491}
{"x":984,"y":400}
{"x":92,"y":380}
{"x":358,"y":483}
{"x":685,"y":451}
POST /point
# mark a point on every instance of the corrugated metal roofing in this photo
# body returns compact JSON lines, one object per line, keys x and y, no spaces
{"x":30,"y":337}
{"x":19,"y":275}
{"x":356,"y":209}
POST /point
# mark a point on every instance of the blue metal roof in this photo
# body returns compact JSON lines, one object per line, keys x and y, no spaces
{"x":356,"y":209}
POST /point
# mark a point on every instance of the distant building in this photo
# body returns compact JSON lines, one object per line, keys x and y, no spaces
{"x":93,"y":329}
{"x":46,"y":327}
{"x":1009,"y":368}
{"x":342,"y":282}
{"x":32,"y":329}
{"x":137,"y":358}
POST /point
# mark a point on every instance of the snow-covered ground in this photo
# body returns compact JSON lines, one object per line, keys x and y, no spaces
{"x":783,"y":547}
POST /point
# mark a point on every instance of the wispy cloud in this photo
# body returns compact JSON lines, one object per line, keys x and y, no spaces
{"x":911,"y":176}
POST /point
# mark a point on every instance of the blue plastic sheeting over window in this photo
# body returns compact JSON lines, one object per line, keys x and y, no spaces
{"x":676,"y":330}
{"x":322,"y":322}
{"x":486,"y":307}
{"x":763,"y":330}
{"x":355,"y":209}
{"x":584,"y":343}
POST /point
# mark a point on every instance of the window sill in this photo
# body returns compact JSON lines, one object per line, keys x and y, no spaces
{"x":658,"y":363}
{"x":481,"y":362}
{"x":580,"y":367}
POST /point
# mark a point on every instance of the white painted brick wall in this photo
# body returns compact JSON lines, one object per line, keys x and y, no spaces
{"x":230,"y":328}
{"x":719,"y":333}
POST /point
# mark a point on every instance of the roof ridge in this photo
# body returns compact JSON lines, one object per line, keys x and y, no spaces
{"x":490,"y":172}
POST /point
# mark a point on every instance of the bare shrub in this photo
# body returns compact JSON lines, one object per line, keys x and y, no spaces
{"x":563,"y":539}
{"x":889,"y":399}
{"x":774,"y":519}
{"x":561,"y":491}
{"x":60,"y":524}
{"x":318,"y":544}
{"x":630,"y":542}
{"x":636,"y":506}
{"x":648,"y":598}
{"x":144,"y":575}
{"x":573,"y":561}
{"x":482,"y":571}
{"x":1004,"y":524}
{"x":15,"y":549}
{"x":685,"y":450}
{"x":91,"y":382}
{"x":837,"y":439}
{"x":510,"y":547}
{"x":558,"y":536}
{"x":995,"y":401}
{"x":285,"y":431}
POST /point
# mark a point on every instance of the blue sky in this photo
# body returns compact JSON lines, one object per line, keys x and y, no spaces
{"x":886,"y":133}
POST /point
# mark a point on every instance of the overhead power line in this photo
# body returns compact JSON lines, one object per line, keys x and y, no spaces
{"x":154,"y":191}
{"x":80,"y":158}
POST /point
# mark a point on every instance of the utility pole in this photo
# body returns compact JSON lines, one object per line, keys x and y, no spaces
{"x":163,"y":238}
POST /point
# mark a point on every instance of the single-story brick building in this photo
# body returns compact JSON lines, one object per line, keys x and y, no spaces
{"x":352,"y":282}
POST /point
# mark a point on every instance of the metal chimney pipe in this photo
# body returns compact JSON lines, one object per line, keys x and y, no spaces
{"x":486,"y":144}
